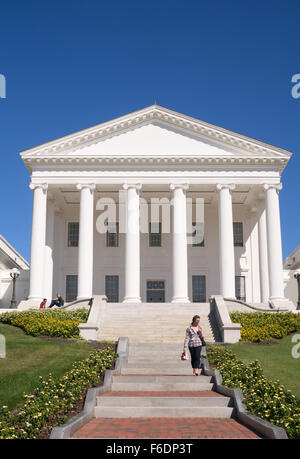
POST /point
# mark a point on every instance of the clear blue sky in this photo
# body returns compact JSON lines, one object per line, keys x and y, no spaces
{"x":73,"y":64}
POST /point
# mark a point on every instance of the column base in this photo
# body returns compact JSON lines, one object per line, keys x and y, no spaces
{"x":132,"y":299}
{"x":180,"y":299}
{"x":282,"y":303}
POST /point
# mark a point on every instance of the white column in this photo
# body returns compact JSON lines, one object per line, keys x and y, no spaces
{"x":179,"y":249}
{"x":38,"y":239}
{"x":86,"y":237}
{"x":263,"y":258}
{"x":132,"y":244}
{"x":274,"y":241}
{"x":48,"y":274}
{"x":226,"y":247}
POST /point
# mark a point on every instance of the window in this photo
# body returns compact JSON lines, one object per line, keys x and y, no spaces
{"x":155,"y":234}
{"x":155,"y":291}
{"x":238,"y":234}
{"x":198,"y":234}
{"x":112,"y":289}
{"x":73,"y":234}
{"x":71,"y":288}
{"x":112,"y":234}
{"x":240,"y":288}
{"x":199,"y":289}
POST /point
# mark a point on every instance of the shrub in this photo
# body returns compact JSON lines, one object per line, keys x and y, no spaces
{"x":52,"y":399}
{"x":261,"y":326}
{"x":262,"y":397}
{"x":56,"y":323}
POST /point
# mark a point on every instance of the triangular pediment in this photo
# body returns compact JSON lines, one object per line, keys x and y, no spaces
{"x":155,"y":132}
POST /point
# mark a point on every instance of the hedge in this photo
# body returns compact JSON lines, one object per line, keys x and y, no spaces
{"x":52,"y":399}
{"x":56,"y":323}
{"x":262,"y":326}
{"x":263,"y":397}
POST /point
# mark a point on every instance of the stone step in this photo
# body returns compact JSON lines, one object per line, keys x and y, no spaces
{"x":162,"y":379}
{"x":142,"y":370}
{"x":175,"y":402}
{"x":141,"y":386}
{"x":165,"y":411}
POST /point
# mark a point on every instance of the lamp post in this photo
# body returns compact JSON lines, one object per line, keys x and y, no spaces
{"x":14,"y":274}
{"x":297,"y":276}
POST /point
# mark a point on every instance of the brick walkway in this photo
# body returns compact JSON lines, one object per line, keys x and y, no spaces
{"x":188,"y":428}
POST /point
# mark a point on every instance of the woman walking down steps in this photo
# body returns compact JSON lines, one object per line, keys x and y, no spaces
{"x":193,"y":339}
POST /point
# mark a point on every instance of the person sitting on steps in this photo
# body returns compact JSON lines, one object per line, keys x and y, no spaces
{"x":58,"y":301}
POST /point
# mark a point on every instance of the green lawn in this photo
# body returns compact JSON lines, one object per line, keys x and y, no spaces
{"x":28,"y":357}
{"x":276,"y":360}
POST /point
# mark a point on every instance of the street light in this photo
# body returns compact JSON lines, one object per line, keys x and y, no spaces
{"x":297,"y":276}
{"x":14,"y":274}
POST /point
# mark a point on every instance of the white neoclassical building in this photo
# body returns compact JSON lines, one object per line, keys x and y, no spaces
{"x":156,"y":206}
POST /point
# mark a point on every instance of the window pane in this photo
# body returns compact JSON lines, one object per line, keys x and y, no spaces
{"x":71,"y":288}
{"x":199,"y":289}
{"x":240,"y":288}
{"x":198,"y":234}
{"x":112,"y":289}
{"x":238,"y":234}
{"x":112,"y":234}
{"x":73,"y":234}
{"x":155,"y":234}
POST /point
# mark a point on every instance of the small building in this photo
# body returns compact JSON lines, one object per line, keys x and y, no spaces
{"x":10,"y":259}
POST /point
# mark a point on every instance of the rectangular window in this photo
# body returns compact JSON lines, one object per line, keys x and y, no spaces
{"x":240,"y":288}
{"x":112,"y":289}
{"x":71,"y":288}
{"x":238,"y":234}
{"x":112,"y":234}
{"x":198,"y":234}
{"x":73,"y":234}
{"x":199,"y":289}
{"x":155,"y":291}
{"x":154,"y":234}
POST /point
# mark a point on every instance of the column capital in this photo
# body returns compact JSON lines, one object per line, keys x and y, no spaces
{"x":91,"y":186}
{"x":277,"y":186}
{"x":183,"y":186}
{"x":221,"y":186}
{"x":137,"y":186}
{"x":33,"y":186}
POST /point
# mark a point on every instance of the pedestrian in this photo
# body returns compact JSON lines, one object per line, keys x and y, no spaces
{"x":43,"y":303}
{"x":58,"y":301}
{"x":193,"y":339}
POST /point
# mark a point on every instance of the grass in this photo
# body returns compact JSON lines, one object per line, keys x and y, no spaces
{"x":29,"y":357}
{"x":276,"y":360}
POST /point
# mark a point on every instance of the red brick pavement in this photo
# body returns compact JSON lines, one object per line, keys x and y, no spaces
{"x":185,"y":428}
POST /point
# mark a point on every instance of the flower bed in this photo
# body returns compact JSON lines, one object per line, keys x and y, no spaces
{"x":263,"y":397}
{"x":57,"y":323}
{"x":53,"y":399}
{"x":261,"y":326}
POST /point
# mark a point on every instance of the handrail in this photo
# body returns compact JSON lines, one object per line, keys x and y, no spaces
{"x":234,"y":300}
{"x":77,"y":301}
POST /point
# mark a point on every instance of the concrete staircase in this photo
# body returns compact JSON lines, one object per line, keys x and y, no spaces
{"x":154,"y":322}
{"x":155,"y":383}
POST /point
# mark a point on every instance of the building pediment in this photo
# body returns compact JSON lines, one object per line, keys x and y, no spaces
{"x":155,"y":133}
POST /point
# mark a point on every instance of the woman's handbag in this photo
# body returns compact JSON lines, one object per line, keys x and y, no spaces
{"x":203,"y":341}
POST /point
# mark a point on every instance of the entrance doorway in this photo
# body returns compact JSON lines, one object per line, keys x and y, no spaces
{"x":155,"y":291}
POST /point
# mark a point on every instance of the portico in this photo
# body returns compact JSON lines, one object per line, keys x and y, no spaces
{"x":155,"y":166}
